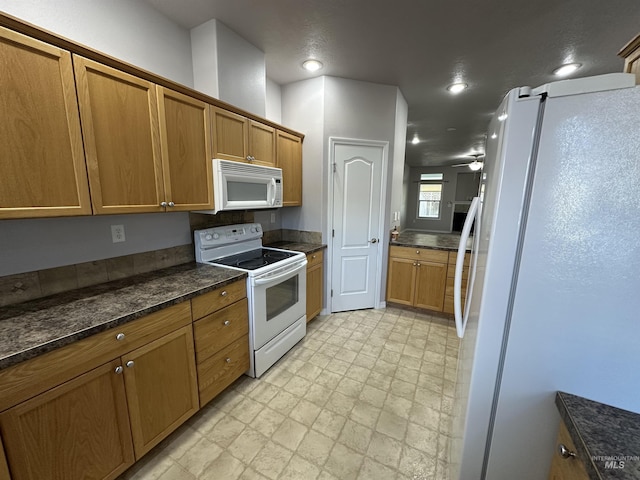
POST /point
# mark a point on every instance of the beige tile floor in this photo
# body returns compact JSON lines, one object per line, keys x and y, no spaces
{"x":366,"y":395}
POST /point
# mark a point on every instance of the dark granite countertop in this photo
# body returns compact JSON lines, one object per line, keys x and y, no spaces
{"x":305,"y":248}
{"x":602,"y":434}
{"x":437,"y":241}
{"x":32,"y":328}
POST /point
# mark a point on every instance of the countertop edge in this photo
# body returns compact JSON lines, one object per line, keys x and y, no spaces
{"x":303,"y":247}
{"x":574,"y":433}
{"x":33,"y":352}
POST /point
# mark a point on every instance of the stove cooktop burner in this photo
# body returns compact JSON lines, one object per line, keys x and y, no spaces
{"x":254,"y":259}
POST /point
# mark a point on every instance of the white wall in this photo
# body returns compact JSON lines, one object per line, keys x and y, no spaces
{"x":136,"y":33}
{"x":241,"y":72}
{"x":303,"y":110}
{"x":397,"y":201}
{"x":132,"y":31}
{"x":204,"y":55}
{"x":273,"y":109}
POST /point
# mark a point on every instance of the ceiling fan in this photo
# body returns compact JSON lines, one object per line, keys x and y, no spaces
{"x":475,"y":165}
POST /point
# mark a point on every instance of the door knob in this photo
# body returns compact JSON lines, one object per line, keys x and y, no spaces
{"x":374,"y":240}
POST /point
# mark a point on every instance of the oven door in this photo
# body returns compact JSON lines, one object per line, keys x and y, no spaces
{"x":279,"y":299}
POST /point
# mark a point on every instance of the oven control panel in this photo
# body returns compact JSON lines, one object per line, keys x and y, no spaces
{"x":226,"y":239}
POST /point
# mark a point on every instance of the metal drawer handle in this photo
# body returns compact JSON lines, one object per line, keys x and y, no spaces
{"x":120,"y":336}
{"x":564,"y":452}
{"x":223,"y":293}
{"x":226,"y":322}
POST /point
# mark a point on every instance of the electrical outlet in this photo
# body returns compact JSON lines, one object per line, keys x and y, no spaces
{"x":117,"y":233}
{"x":273,"y":218}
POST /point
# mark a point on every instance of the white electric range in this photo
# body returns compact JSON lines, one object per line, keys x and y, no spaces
{"x":276,"y":288}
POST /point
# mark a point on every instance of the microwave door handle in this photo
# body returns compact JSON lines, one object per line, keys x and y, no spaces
{"x":273,"y":191}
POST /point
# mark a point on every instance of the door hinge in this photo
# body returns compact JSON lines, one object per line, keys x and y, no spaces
{"x":334,"y":167}
{"x":332,"y":292}
{"x":333,"y":233}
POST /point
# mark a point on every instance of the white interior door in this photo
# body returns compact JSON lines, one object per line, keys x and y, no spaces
{"x":356,"y":218}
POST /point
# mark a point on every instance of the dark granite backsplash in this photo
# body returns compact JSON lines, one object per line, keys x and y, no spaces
{"x":22,"y":287}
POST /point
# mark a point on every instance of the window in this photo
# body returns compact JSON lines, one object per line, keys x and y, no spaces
{"x":430,"y":195}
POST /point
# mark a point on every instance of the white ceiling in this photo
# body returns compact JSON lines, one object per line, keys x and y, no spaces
{"x":424,"y":45}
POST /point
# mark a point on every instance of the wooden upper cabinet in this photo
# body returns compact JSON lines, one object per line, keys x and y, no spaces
{"x":119,"y":115}
{"x":631,"y":54}
{"x":77,"y":430}
{"x":289,"y":149}
{"x":230,"y":133}
{"x":186,"y":151}
{"x":42,"y":160}
{"x":262,"y":144}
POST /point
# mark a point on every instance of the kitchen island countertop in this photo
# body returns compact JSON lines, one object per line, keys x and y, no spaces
{"x":38,"y":326}
{"x":437,"y":241}
{"x":604,"y":435}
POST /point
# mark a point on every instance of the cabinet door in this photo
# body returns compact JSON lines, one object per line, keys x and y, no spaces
{"x":186,"y":151}
{"x":262,"y":143}
{"x":162,"y":390}
{"x":401,"y":283}
{"x":289,"y":151}
{"x":119,"y":115}
{"x":43,"y":165}
{"x":77,"y":430}
{"x":4,"y":469}
{"x":431,"y":279}
{"x":570,"y":468}
{"x":230,"y":135}
{"x":314,"y":291}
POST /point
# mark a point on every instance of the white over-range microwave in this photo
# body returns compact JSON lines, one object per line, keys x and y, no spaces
{"x":244,"y":186}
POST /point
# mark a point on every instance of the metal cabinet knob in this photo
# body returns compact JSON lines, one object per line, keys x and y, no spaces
{"x":228,"y":360}
{"x":418,"y":252}
{"x":418,"y":264}
{"x":120,"y":336}
{"x":249,"y":158}
{"x":313,"y":256}
{"x":118,"y":369}
{"x":171,"y":204}
{"x":564,"y":452}
{"x":227,"y":322}
{"x":223,"y":293}
{"x":129,"y":364}
{"x":163,"y":204}
{"x":373,"y":240}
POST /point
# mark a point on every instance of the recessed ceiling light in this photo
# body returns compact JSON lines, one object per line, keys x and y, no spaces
{"x":494,"y":136}
{"x":567,"y":69}
{"x":457,"y":87}
{"x":451,"y":129}
{"x":502,"y":117}
{"x":415,"y":139}
{"x":312,"y":65}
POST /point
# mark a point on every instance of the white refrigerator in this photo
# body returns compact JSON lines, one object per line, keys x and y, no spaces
{"x":553,"y":296}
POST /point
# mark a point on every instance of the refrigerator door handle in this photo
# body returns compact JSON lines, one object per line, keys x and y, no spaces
{"x":457,"y":281}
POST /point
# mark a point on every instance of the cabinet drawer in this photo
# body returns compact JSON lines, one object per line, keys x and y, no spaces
{"x":451,"y":281}
{"x":314,"y":258}
{"x":426,"y":254}
{"x":219,"y":329}
{"x":39,"y":374}
{"x":218,"y":372}
{"x":218,"y":298}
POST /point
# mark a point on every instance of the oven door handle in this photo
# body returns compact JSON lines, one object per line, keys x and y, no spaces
{"x":276,"y":278}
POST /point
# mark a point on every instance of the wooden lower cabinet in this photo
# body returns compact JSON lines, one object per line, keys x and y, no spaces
{"x":417,"y":277}
{"x":315,"y":281}
{"x":221,"y":334}
{"x":162,"y":387}
{"x":77,"y":430}
{"x":570,"y":468}
{"x":449,"y":291}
